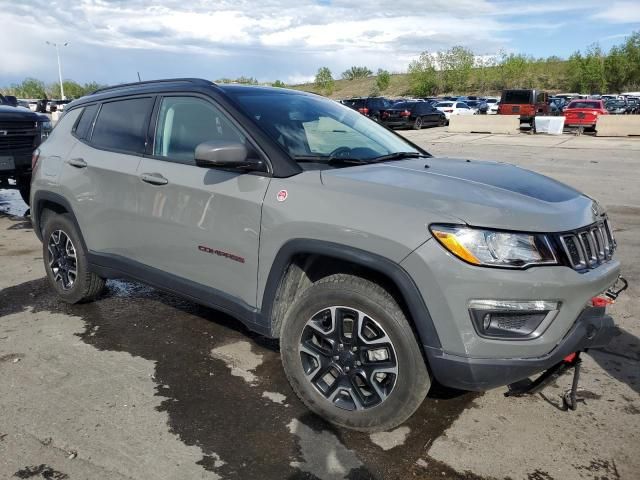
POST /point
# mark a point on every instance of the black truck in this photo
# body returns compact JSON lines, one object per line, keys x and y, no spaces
{"x":21,"y":131}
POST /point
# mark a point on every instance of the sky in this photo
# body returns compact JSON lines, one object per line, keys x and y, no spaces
{"x":109,"y":41}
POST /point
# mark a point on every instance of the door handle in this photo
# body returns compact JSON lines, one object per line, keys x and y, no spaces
{"x":153,"y":179}
{"x":77,"y":162}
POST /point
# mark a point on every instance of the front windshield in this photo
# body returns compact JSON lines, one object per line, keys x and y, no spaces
{"x":308,"y":126}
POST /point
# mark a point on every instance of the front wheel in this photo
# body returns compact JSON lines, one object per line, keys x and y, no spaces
{"x":351,"y":356}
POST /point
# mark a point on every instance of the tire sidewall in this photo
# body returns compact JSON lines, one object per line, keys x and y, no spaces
{"x":63,"y":222}
{"x":412,"y":382}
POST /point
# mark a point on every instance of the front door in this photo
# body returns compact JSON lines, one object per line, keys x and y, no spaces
{"x":199,"y":224}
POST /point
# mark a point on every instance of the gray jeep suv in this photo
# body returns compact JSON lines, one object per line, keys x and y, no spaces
{"x":379,"y":268}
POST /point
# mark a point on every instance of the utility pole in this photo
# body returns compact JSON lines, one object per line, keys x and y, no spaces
{"x":59,"y":66}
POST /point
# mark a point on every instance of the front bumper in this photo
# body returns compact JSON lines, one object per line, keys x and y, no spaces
{"x":592,"y":329}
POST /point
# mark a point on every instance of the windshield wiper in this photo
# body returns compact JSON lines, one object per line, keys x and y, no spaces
{"x":398,"y":156}
{"x":359,"y":161}
{"x":330,"y":160}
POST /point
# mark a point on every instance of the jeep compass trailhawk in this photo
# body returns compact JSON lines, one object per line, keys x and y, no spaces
{"x":380,"y":268}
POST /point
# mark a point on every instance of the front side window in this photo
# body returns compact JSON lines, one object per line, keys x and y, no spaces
{"x":306,"y":125}
{"x":186,"y":122}
{"x":122,"y":125}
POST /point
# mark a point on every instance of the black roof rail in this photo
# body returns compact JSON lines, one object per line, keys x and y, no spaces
{"x":196,"y":81}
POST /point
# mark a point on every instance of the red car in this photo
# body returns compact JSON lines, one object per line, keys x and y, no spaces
{"x":584,"y":113}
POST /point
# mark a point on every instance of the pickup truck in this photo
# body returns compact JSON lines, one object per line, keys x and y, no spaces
{"x":21,"y":131}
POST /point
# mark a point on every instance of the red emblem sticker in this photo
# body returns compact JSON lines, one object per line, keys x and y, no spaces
{"x":282,"y":195}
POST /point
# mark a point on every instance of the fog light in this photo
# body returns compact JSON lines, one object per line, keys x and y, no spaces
{"x":509,"y":319}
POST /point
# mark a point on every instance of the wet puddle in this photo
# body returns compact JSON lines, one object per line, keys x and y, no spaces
{"x":225,"y":392}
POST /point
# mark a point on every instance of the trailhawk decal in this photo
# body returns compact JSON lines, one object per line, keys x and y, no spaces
{"x":220,"y":253}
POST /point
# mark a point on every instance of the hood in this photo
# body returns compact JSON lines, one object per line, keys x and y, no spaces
{"x":483,"y":194}
{"x":8,"y":113}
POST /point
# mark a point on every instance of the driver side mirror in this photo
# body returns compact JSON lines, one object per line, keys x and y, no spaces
{"x":229,"y":155}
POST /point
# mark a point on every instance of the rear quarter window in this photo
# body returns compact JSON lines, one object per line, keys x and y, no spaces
{"x":83,"y":126}
{"x":122,"y":125}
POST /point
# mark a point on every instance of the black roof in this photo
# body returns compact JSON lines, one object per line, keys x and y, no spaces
{"x":172,"y":85}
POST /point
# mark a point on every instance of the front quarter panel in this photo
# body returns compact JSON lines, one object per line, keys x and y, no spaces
{"x":314,"y":211}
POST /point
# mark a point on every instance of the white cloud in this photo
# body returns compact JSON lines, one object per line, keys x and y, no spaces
{"x":267,"y":39}
{"x":621,"y":12}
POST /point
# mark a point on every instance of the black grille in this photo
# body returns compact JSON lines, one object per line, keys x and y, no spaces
{"x":588,"y":247}
{"x":18,"y":137}
{"x":17,"y":144}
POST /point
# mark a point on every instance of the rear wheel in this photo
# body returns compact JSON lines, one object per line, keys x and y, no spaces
{"x":417,"y":124}
{"x":351,"y":356}
{"x":65,"y":261}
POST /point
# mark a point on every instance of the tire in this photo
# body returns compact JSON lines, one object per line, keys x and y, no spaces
{"x":24,"y":187}
{"x":395,"y":396}
{"x":417,"y":124}
{"x":84,"y":286}
{"x":442,"y":122}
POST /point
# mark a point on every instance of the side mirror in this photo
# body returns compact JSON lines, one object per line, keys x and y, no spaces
{"x":224,"y":154}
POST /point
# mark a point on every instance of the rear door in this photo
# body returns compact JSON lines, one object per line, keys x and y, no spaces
{"x":199,"y":224}
{"x":101,"y":172}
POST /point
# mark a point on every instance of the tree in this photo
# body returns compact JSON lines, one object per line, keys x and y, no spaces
{"x":593,"y":75}
{"x":456,"y":65}
{"x":574,"y":72}
{"x":616,"y":70}
{"x":514,"y":71}
{"x":356,"y":72}
{"x":631,"y":49}
{"x":383,"y":80}
{"x":279,"y":84}
{"x":324,"y":80}
{"x":29,"y":88}
{"x":423,"y":78}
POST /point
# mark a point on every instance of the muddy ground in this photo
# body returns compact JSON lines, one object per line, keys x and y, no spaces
{"x":144,"y":385}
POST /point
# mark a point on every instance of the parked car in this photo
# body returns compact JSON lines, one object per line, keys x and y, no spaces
{"x":633,"y":104}
{"x":21,"y":131}
{"x":412,"y":115}
{"x":478,"y":106}
{"x":525,"y":103}
{"x":557,"y":105}
{"x":454,"y":108}
{"x":493,"y":104}
{"x":616,"y":107}
{"x":370,"y":106}
{"x":584,"y":113}
{"x":380,"y":268}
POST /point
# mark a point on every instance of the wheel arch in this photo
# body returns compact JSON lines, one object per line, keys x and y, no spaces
{"x":45,"y":200}
{"x":299,"y":259}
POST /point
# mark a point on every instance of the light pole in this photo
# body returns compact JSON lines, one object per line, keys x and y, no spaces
{"x":59,"y":66}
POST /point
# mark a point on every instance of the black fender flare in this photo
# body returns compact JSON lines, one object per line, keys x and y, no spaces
{"x":40,"y":198}
{"x":414,"y":301}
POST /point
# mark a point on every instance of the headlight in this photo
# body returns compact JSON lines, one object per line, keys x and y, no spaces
{"x":45,"y":129}
{"x":494,"y":248}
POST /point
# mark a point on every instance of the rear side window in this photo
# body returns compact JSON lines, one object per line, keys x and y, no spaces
{"x":516,"y":97}
{"x":122,"y":125}
{"x":83,"y":127}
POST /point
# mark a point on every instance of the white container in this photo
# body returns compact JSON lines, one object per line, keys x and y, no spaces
{"x":550,"y":125}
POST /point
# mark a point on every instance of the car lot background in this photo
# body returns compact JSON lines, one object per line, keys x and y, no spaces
{"x":145,"y":385}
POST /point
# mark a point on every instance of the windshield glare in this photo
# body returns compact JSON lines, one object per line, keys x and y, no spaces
{"x":314,"y":126}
